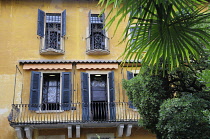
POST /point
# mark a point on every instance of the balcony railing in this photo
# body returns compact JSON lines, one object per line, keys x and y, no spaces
{"x":77,"y":113}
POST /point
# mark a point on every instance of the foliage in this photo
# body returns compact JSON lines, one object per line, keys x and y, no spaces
{"x":182,"y":118}
{"x":170,"y":31}
{"x":148,"y":93}
{"x":205,"y":71}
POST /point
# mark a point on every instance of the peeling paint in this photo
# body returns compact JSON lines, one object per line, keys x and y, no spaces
{"x":2,"y":111}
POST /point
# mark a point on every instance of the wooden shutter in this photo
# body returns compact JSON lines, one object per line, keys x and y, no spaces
{"x":63,"y":33}
{"x":40,"y":23}
{"x":35,"y":91}
{"x":103,"y":20}
{"x":130,"y":76}
{"x":112,"y":95}
{"x":85,"y":96}
{"x":66,"y":90}
{"x":90,"y":30}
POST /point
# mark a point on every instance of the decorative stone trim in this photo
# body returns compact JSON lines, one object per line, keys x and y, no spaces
{"x":128,"y":130}
{"x":97,"y":52}
{"x":70,"y":131}
{"x":19,"y":132}
{"x":77,"y":131}
{"x":120,"y":130}
{"x":29,"y":132}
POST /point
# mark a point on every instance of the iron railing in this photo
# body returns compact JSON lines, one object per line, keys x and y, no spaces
{"x":97,"y":112}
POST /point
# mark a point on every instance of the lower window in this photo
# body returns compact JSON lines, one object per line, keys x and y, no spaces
{"x":100,"y":136}
{"x":51,"y":91}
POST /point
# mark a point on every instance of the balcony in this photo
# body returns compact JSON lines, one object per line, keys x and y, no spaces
{"x":98,"y":114}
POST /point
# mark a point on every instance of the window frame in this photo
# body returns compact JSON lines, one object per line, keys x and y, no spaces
{"x":110,"y":93}
{"x":51,"y":51}
{"x":36,"y":91}
{"x":132,"y":29}
{"x":41,"y":90}
{"x":134,"y":73}
{"x":90,"y":51}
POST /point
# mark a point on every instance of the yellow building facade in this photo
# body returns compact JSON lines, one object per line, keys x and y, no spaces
{"x":60,"y":73}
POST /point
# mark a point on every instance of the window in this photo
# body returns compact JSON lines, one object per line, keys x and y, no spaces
{"x":101,"y":136}
{"x":130,"y":75}
{"x":50,"y":91}
{"x":97,"y":40}
{"x":98,"y":96}
{"x":133,"y":33}
{"x":51,"y":29}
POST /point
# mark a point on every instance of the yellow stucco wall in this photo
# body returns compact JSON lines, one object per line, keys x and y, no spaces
{"x":19,"y":41}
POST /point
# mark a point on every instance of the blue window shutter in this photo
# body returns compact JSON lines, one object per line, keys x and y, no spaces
{"x":35,"y":91}
{"x":103,"y":20}
{"x":130,"y":76}
{"x":112,"y":95}
{"x":66,"y":90}
{"x":63,"y":33}
{"x":85,"y":96}
{"x":40,"y":23}
{"x":90,"y":30}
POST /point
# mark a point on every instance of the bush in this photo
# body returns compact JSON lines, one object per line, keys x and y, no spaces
{"x":184,"y":118}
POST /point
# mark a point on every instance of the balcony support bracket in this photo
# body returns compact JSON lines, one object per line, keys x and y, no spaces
{"x":69,"y":131}
{"x":29,"y":132}
{"x":19,"y":132}
{"x":120,"y":130}
{"x":128,"y":130}
{"x":77,"y":131}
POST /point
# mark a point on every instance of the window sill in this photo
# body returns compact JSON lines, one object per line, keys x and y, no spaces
{"x":51,"y":51}
{"x":97,"y":52}
{"x":50,"y":111}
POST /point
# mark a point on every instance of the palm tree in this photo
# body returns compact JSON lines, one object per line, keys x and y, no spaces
{"x":172,"y":32}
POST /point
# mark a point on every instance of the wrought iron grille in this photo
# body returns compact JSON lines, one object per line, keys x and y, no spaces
{"x":97,"y":37}
{"x":51,"y":93}
{"x":53,"y":31}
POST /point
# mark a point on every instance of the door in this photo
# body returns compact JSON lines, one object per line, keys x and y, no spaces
{"x":99,"y":99}
{"x":98,"y":96}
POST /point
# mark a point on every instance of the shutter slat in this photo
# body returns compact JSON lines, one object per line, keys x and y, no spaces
{"x":66,"y":90}
{"x":85,"y":96}
{"x":63,"y":33}
{"x":35,"y":90}
{"x":112,"y":95}
{"x":40,"y":23}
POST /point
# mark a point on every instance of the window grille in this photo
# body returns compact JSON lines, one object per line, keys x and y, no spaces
{"x":97,"y":37}
{"x":96,"y":19}
{"x":51,"y":92}
{"x":53,"y":31}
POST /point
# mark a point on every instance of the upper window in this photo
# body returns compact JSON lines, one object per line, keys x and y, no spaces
{"x":51,"y":29}
{"x":133,"y":33}
{"x":97,"y":41}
